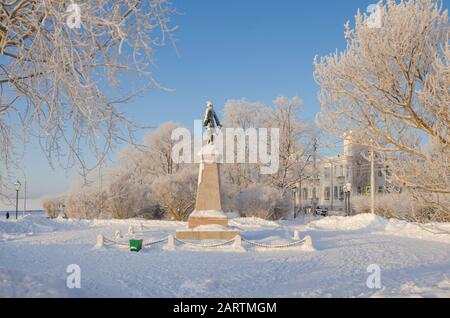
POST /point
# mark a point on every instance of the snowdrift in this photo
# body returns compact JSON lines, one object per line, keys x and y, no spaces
{"x":439,"y":232}
{"x":34,"y":224}
{"x":361,"y":221}
{"x":21,"y":284}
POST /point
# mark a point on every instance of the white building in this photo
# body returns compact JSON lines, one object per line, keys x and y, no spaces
{"x":334,"y":173}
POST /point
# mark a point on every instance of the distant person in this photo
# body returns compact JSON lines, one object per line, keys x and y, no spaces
{"x":7,"y":215}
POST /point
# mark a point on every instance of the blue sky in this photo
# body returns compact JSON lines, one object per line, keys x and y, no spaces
{"x":227,"y":50}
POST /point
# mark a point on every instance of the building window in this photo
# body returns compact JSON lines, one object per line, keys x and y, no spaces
{"x":305,"y":193}
{"x":380,"y":189}
{"x":336,"y":193}
{"x":342,"y":171}
{"x":388,"y":173}
{"x":341,"y":193}
{"x":327,"y":193}
{"x":327,"y":173}
{"x":359,"y":190}
{"x":380,"y":173}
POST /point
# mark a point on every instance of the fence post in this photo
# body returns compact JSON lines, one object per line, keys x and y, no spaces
{"x":237,"y":245}
{"x":170,"y":243}
{"x":117,"y":234}
{"x":308,"y":243}
{"x":100,"y":241}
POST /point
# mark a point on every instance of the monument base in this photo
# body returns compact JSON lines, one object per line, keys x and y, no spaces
{"x":195,"y":222}
{"x":201,"y":218}
{"x":207,"y":232}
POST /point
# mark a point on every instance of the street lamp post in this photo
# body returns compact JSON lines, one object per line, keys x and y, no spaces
{"x":347,"y":191}
{"x":17,"y":185}
{"x":372,"y":181}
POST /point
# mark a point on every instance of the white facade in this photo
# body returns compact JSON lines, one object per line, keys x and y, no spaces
{"x":334,"y":173}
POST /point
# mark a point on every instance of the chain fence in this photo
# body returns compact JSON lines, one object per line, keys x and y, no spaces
{"x":291,"y":244}
{"x":113,"y":242}
{"x":238,"y":239}
{"x":205,"y":245}
{"x":155,"y":242}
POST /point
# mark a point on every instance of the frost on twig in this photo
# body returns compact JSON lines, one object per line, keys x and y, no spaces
{"x":390,"y":89}
{"x":63,"y":83}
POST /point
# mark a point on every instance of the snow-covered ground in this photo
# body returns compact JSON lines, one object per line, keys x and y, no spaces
{"x":414,"y":260}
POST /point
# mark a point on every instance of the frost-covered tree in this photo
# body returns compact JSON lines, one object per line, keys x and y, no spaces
{"x":126,"y":190}
{"x":125,"y":199}
{"x":390,"y":88}
{"x":242,"y":114}
{"x":61,"y":66}
{"x":294,"y":143}
{"x":83,"y":203}
{"x":152,"y":159}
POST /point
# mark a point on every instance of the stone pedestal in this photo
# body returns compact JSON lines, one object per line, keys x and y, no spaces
{"x":204,"y":233}
{"x":208,"y":222}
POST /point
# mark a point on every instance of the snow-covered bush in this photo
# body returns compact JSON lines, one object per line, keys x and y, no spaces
{"x":394,"y":205}
{"x":52,"y":205}
{"x":227,"y":191}
{"x":85,"y":203}
{"x":125,"y":199}
{"x":176,"y":193}
{"x":264,"y":202}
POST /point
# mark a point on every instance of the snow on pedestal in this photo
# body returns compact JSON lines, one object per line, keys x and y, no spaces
{"x":208,"y":214}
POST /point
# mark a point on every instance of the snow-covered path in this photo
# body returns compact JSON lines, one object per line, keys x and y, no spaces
{"x":413,"y":262}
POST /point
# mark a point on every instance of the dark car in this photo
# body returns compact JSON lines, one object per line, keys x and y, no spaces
{"x":321,"y":211}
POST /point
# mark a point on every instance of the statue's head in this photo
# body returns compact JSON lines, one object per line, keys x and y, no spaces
{"x":209,"y":104}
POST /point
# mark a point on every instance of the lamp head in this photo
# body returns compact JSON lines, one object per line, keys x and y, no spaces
{"x":17,"y":185}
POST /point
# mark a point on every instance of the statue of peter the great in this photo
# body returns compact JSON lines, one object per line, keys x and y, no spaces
{"x":211,"y":121}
